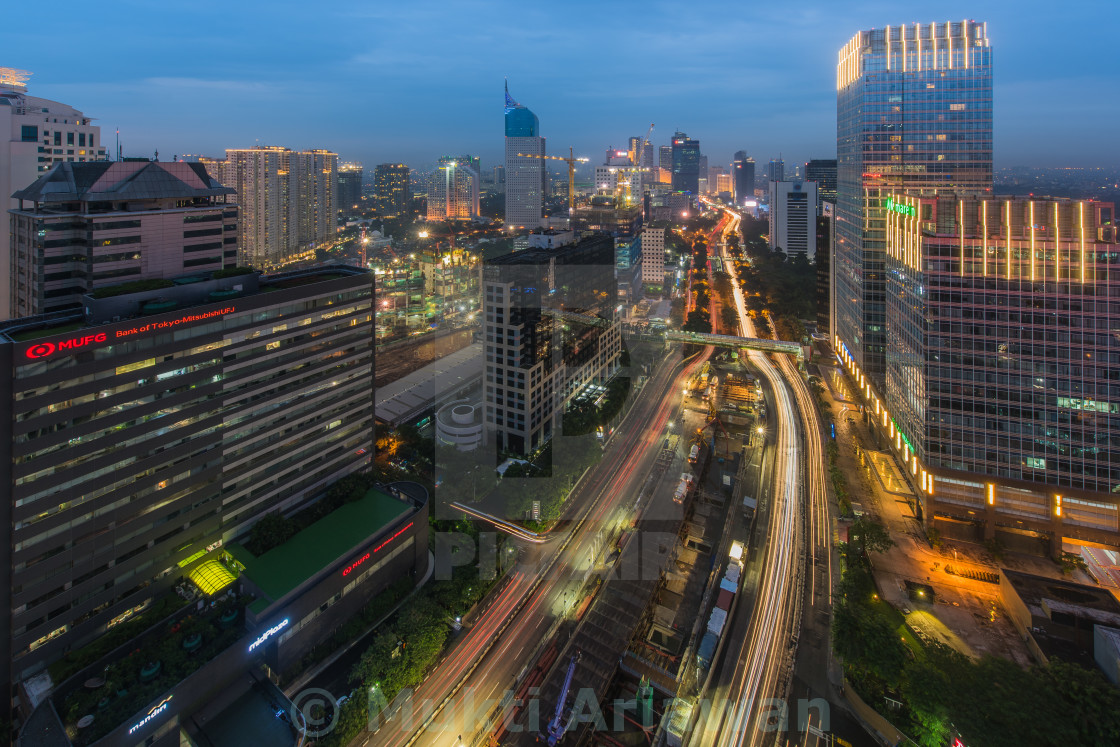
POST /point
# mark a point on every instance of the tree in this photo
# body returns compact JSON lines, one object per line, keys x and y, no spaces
{"x":868,"y":535}
{"x":1070,"y":562}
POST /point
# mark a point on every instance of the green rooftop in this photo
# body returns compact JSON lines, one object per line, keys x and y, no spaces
{"x":286,"y":566}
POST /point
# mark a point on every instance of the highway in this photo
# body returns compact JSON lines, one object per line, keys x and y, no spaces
{"x":467,"y":686}
{"x":763,"y":661}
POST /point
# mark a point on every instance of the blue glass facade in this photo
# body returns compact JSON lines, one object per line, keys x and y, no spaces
{"x":914,"y":116}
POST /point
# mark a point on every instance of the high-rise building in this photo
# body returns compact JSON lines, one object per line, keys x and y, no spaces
{"x":646,"y":161}
{"x":823,"y":172}
{"x":702,"y":186}
{"x":686,"y":164}
{"x":913,"y":115}
{"x":1001,"y":394}
{"x":453,"y":190}
{"x":154,"y":425}
{"x":665,"y":158}
{"x":725,"y":184}
{"x":525,"y":177}
{"x":776,"y":171}
{"x":35,"y":134}
{"x":634,"y":149}
{"x":286,"y":200}
{"x":793,"y":213}
{"x":742,"y":169}
{"x":392,"y":189}
{"x":85,"y":226}
{"x":826,"y":247}
{"x":653,"y":253}
{"x":350,"y":177}
{"x":535,"y":365}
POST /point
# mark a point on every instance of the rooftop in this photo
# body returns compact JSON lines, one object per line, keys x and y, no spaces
{"x":26,"y":329}
{"x":284,"y":567}
{"x":416,"y":392}
{"x":122,"y":180}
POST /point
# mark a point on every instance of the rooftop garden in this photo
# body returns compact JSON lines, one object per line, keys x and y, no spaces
{"x":57,"y":329}
{"x":135,"y":286}
{"x":281,"y":553}
{"x":155,"y":663}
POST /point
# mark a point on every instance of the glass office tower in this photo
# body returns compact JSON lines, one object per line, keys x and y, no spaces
{"x":913,"y":116}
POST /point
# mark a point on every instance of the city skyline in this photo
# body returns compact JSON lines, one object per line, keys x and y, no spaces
{"x":638,"y":69}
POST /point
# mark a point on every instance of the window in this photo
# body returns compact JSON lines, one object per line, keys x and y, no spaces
{"x":29,"y":133}
{"x":69,"y":138}
{"x":58,"y":138}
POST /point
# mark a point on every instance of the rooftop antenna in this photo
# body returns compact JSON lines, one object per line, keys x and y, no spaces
{"x":118,"y":143}
{"x":157,"y":155}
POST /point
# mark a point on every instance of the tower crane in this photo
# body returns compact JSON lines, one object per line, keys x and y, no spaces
{"x":557,"y":726}
{"x":571,"y":160}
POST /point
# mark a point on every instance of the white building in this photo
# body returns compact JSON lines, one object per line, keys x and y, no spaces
{"x":287,"y":200}
{"x":793,"y":212}
{"x":525,"y":177}
{"x":653,"y":253}
{"x":35,"y":134}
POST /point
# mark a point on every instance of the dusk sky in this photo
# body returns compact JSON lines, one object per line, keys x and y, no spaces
{"x":380,"y":81}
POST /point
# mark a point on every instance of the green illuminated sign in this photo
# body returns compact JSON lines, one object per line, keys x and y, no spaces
{"x":890,"y":204}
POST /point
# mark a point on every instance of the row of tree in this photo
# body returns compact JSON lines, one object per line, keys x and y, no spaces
{"x":944,"y":695}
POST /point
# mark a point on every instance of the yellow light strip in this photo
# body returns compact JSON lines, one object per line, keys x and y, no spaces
{"x":918,"y":43}
{"x":960,"y":228}
{"x":1007,"y":237}
{"x":1057,"y":505}
{"x":1081,"y":210}
{"x":967,"y":44}
{"x":949,"y":42}
{"x":930,"y":490}
{"x":1031,"y":204}
{"x":991,"y":494}
{"x":984,"y":208}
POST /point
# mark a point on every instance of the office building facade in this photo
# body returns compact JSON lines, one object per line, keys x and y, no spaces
{"x":914,"y":116}
{"x":776,"y":171}
{"x":153,"y":426}
{"x":1003,"y":385}
{"x":85,"y":226}
{"x":350,"y":176}
{"x":823,"y":172}
{"x":392,"y":189}
{"x":686,"y":164}
{"x":453,"y":189}
{"x":653,"y":253}
{"x":35,"y":134}
{"x":742,"y":171}
{"x":525,"y":177}
{"x":793,"y":213}
{"x":826,"y":247}
{"x":287,"y":201}
{"x":550,"y":330}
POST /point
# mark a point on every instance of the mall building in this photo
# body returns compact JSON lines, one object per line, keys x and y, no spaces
{"x":1002,"y":396}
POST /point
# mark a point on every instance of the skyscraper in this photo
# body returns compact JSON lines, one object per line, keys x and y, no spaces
{"x":777,"y":170}
{"x":686,"y":163}
{"x":742,"y":169}
{"x":392,"y":189}
{"x":286,"y":198}
{"x":665,"y":157}
{"x":350,"y":177}
{"x":793,"y":212}
{"x":823,"y":172}
{"x":913,"y":116}
{"x":35,"y":134}
{"x":453,"y":190}
{"x":525,"y":177}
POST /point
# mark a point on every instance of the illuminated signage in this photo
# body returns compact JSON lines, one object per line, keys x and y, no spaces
{"x":269,"y":633}
{"x":897,"y":207}
{"x":47,"y":349}
{"x":156,"y":710}
{"x":43,"y":349}
{"x":346,"y":571}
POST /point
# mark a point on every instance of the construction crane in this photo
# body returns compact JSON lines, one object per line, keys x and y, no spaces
{"x":571,"y":160}
{"x":557,"y":726}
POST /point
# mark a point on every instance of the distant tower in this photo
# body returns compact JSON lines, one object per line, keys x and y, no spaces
{"x":742,"y":173}
{"x":524,"y":176}
{"x":777,"y":170}
{"x":686,"y":163}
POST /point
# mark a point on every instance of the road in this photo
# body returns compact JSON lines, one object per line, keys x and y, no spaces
{"x":491,"y":654}
{"x":798,"y":543}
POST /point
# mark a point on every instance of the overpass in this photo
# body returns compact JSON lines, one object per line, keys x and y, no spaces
{"x":696,"y":338}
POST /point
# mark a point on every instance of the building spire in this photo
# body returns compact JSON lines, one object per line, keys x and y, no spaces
{"x":509,"y":99}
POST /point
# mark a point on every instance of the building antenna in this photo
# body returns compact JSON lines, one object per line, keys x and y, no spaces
{"x":118,"y":143}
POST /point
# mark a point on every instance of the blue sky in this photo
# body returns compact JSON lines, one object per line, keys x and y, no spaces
{"x":381,"y":82}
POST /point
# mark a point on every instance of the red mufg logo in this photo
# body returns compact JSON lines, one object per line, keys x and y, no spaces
{"x":44,"y":349}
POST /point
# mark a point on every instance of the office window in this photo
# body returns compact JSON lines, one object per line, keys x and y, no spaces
{"x":29,"y":133}
{"x":69,"y":138}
